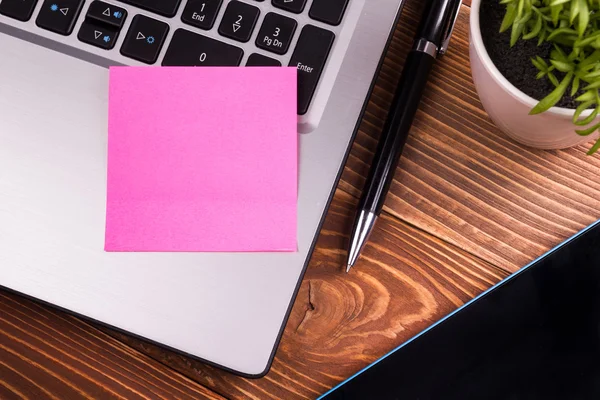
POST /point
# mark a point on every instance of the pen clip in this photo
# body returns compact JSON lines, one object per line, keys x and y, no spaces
{"x":449,"y":30}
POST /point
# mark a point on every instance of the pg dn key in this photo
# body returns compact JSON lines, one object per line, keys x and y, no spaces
{"x":276,"y":33}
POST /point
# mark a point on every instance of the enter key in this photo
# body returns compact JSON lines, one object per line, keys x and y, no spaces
{"x":310,"y":57}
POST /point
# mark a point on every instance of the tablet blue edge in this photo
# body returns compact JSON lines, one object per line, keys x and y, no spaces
{"x":597,"y":223}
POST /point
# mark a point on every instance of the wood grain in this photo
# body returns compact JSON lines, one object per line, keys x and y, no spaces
{"x":46,"y":354}
{"x":340,"y":323}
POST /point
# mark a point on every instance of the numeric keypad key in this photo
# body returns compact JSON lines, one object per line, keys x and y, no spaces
{"x":189,"y":49}
{"x":201,"y":13}
{"x":276,"y":33}
{"x":310,"y":57}
{"x":239,"y":21}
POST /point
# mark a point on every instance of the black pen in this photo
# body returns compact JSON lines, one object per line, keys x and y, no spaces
{"x":431,"y":41}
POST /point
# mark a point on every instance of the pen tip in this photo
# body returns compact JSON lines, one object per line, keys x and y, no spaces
{"x":348,"y":268}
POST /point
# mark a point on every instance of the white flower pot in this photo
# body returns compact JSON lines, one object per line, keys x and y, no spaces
{"x":509,"y":108}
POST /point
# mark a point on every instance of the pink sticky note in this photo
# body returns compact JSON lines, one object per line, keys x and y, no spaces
{"x":202,"y":159}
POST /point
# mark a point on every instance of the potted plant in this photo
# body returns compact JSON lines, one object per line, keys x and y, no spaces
{"x":536,"y":68}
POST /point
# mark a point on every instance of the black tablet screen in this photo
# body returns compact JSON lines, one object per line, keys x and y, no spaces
{"x":534,"y":336}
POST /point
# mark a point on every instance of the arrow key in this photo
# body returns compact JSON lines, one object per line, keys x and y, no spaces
{"x":107,"y":13}
{"x":145,"y":38}
{"x":103,"y":36}
{"x":239,"y":21}
{"x":59,"y":16}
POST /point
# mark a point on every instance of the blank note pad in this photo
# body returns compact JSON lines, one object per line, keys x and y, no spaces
{"x":202,"y":159}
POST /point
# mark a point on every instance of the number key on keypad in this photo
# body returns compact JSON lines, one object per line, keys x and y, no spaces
{"x":239,"y":21}
{"x":295,"y":6}
{"x":189,"y":49}
{"x":276,"y":33}
{"x":201,"y":13}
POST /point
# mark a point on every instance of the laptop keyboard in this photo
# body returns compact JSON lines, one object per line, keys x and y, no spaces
{"x":300,"y":33}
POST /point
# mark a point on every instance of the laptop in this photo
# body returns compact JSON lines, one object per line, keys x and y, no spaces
{"x":535,"y":335}
{"x":226,"y":309}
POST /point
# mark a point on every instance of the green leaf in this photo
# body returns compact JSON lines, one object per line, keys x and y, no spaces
{"x":558,"y":54}
{"x":541,"y":38}
{"x":560,"y":32}
{"x":555,"y":12}
{"x":594,"y":148}
{"x":592,"y":59}
{"x":525,"y":18}
{"x":517,"y":29}
{"x":574,"y":55}
{"x":547,"y":102}
{"x":536,"y":29}
{"x":558,"y":2}
{"x":584,"y":17}
{"x":539,"y":63}
{"x":589,"y":119}
{"x":593,"y":85}
{"x":553,"y":79}
{"x":545,"y":16}
{"x":565,"y":40}
{"x":509,"y":17}
{"x":575,"y":8}
{"x":591,"y":75}
{"x":580,"y":109}
{"x":563,"y":66}
{"x":575,"y":86}
{"x":588,"y":40}
{"x":588,"y":131}
{"x":590,"y":95}
{"x":520,"y":6}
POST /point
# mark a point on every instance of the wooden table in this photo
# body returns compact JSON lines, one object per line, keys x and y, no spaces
{"x":468,"y":207}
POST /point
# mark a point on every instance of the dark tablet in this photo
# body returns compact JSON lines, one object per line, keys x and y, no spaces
{"x":535,"y":335}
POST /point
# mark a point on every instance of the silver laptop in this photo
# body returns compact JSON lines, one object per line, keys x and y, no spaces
{"x":226,"y":309}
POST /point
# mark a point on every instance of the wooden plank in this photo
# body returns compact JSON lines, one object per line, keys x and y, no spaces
{"x":340,"y":323}
{"x":464,"y":181}
{"x":45,"y":354}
